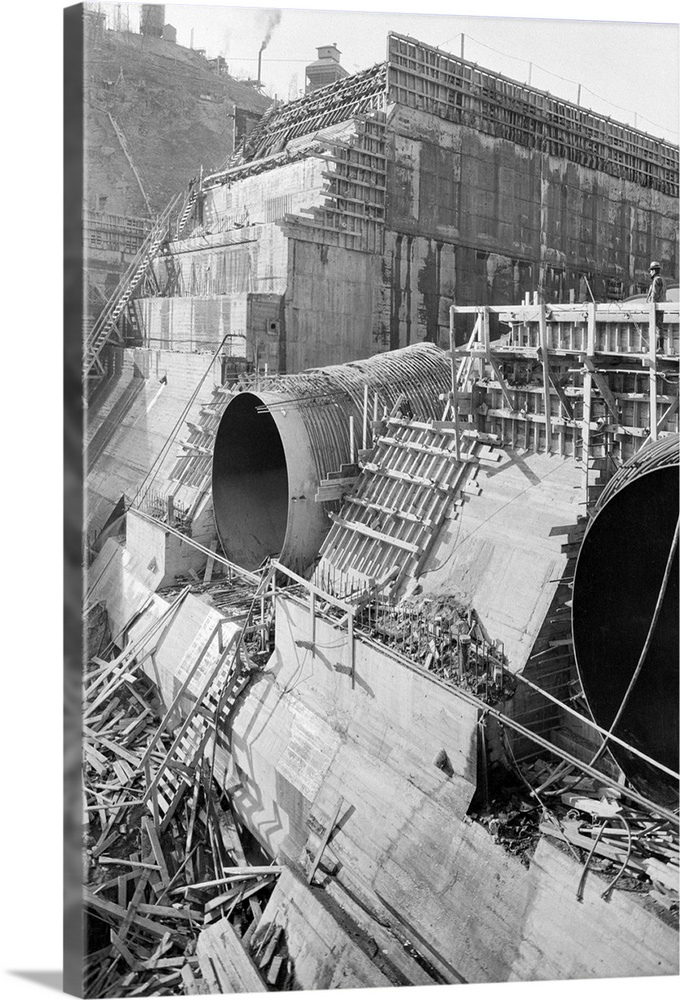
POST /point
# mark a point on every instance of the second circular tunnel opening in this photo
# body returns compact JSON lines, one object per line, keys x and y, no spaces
{"x":250,"y":483}
{"x":618,"y":581}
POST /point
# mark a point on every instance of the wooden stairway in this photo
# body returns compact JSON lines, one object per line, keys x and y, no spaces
{"x":106,"y":323}
{"x":223,"y":672}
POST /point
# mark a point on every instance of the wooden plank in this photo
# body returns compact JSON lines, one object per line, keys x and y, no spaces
{"x":274,"y":970}
{"x":603,"y":387}
{"x":113,"y":747}
{"x":189,"y":980}
{"x":168,"y":912}
{"x":324,"y":840}
{"x":502,"y":383}
{"x":191,"y":672}
{"x":124,"y":951}
{"x":669,"y":413}
{"x":240,"y":891}
{"x":111,"y":909}
{"x":222,"y":956}
{"x":207,"y":576}
{"x":230,"y":874}
{"x":363,"y":529}
{"x":125,"y":861}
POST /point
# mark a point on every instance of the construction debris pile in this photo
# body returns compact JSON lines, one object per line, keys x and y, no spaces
{"x":163,"y":878}
{"x":630,"y":849}
{"x":445,"y":638}
{"x":633,"y":850}
{"x":640,"y":849}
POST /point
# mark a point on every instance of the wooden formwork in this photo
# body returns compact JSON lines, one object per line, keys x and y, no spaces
{"x":388,"y":523}
{"x":592,"y":381}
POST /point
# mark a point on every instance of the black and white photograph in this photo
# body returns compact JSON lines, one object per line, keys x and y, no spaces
{"x":371,"y":361}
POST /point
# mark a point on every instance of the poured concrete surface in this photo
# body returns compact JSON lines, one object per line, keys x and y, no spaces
{"x":496,"y":551}
{"x":324,"y":954}
{"x":132,"y":418}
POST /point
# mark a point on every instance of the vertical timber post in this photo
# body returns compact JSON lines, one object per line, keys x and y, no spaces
{"x":312,"y":619}
{"x":454,"y":379}
{"x":653,"y":417}
{"x":350,"y":639}
{"x":543,"y":332}
{"x":587,"y":401}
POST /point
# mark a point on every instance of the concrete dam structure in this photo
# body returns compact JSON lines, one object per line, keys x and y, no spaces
{"x":383,"y":560}
{"x":353,"y":217}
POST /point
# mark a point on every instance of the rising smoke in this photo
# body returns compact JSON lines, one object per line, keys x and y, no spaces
{"x":273,"y":19}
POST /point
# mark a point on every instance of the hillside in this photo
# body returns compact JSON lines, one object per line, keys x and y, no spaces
{"x":176,"y":114}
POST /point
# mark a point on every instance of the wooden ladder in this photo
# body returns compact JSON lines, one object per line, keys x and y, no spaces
{"x":107,"y":320}
{"x":221,"y":684}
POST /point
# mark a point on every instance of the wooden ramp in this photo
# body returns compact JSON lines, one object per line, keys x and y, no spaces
{"x":387,"y":525}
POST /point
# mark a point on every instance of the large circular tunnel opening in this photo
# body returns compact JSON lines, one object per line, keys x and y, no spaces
{"x":250,"y":483}
{"x":619,"y":579}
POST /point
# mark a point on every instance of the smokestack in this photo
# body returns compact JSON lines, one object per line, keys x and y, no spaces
{"x":272,"y":20}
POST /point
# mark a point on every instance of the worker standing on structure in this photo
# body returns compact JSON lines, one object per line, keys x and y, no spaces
{"x":657,"y":289}
{"x":657,"y":293}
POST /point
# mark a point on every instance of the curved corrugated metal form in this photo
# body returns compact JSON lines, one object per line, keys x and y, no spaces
{"x":274,"y":446}
{"x":627,"y":561}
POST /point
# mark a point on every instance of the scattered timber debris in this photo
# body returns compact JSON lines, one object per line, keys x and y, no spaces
{"x":444,"y":637}
{"x":158,"y":875}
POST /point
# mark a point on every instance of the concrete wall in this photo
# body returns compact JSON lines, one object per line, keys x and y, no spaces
{"x":303,"y":738}
{"x":496,"y":552}
{"x":454,"y":184}
{"x":250,"y":323}
{"x":265,"y":197}
{"x":131,"y":419}
{"x":170,"y":555}
{"x":330,"y":305}
{"x":324,"y":955}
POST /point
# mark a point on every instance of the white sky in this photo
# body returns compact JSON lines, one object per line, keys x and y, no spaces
{"x":628,"y":70}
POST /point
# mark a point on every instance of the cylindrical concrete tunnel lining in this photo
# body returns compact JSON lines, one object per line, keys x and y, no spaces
{"x":254,"y":496}
{"x":618,"y":581}
{"x":275,"y":445}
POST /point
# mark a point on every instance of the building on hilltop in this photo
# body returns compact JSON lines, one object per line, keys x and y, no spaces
{"x":352,"y":218}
